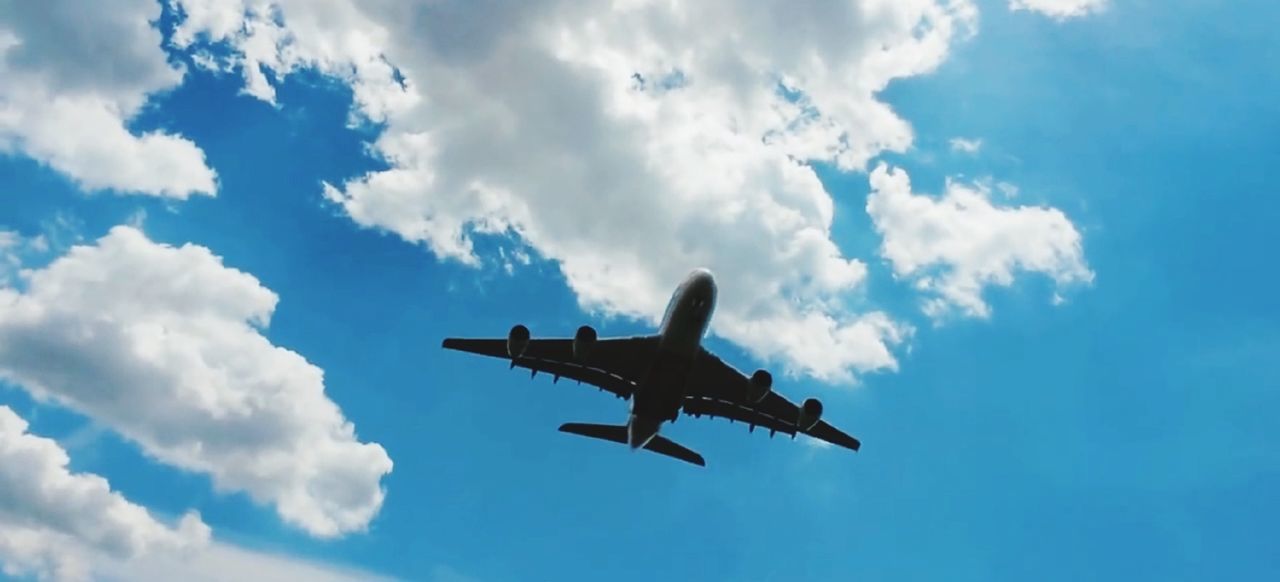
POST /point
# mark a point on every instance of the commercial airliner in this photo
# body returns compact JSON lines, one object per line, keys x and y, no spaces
{"x":662,"y":375}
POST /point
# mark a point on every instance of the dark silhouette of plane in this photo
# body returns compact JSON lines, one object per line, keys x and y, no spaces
{"x":662,"y":375}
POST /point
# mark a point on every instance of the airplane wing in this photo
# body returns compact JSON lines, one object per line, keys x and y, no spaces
{"x":614,"y":364}
{"x":719,"y":390}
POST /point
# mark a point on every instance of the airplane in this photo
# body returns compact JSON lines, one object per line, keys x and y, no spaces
{"x":661,"y":376}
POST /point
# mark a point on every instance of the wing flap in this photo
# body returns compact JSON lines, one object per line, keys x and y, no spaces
{"x":705,"y":406}
{"x":719,"y":390}
{"x":598,"y":378}
{"x":833,"y":435}
{"x":752,"y":417}
{"x":614,"y":364}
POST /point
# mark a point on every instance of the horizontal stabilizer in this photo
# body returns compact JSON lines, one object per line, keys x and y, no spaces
{"x":664,"y":446}
{"x":607,"y":432}
{"x":618,"y":434}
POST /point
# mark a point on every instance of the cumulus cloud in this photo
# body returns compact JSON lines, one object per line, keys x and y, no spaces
{"x":14,"y":248}
{"x":74,"y":74}
{"x":10,"y":243}
{"x":1060,"y":9}
{"x":56,"y":524}
{"x":60,"y":525}
{"x":967,"y":146}
{"x":164,"y":346}
{"x":955,"y":245}
{"x":627,"y":141}
{"x":220,"y":561}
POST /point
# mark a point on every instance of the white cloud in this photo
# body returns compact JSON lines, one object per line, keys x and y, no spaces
{"x":222,"y":561}
{"x":1060,"y":9}
{"x":333,"y":36}
{"x":954,"y":246}
{"x":74,"y":74}
{"x":162,"y":345}
{"x":10,"y":244}
{"x":627,"y":141}
{"x":13,"y":249}
{"x":963,"y":145}
{"x":56,"y":524}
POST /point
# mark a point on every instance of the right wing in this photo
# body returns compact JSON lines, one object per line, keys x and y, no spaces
{"x":614,"y":364}
{"x":718,"y":389}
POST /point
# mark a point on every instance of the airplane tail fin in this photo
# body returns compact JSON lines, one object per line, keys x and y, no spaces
{"x":618,"y":433}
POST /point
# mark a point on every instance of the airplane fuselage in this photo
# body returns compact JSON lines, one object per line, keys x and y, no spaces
{"x":662,"y":375}
{"x":659,"y":396}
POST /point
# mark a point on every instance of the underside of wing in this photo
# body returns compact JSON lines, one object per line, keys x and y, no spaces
{"x":698,"y":406}
{"x":613,"y":364}
{"x":717,"y":389}
{"x":825,"y":432}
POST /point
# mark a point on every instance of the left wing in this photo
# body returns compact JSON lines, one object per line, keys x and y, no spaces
{"x":718,"y":389}
{"x":613,"y":364}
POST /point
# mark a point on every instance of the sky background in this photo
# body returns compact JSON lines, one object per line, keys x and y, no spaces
{"x":1123,"y":431}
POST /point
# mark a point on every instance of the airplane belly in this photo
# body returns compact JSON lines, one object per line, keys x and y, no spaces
{"x":662,"y":392}
{"x":682,"y":337}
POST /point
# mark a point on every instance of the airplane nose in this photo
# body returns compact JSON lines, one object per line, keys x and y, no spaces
{"x":704,"y":279}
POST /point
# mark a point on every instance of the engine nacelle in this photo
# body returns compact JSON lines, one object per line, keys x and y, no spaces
{"x":517,"y":341}
{"x":810,"y":414}
{"x":583,"y":341}
{"x":761,"y":383}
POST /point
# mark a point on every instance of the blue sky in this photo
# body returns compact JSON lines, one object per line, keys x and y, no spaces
{"x":1126,"y":433}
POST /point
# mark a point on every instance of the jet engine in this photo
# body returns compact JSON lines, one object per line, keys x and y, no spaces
{"x":761,"y":383}
{"x":517,"y":341}
{"x":583,"y":341}
{"x":810,"y":414}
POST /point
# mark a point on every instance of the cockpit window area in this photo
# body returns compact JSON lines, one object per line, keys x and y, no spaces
{"x":671,"y":305}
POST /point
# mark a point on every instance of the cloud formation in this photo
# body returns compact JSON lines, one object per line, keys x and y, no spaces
{"x":221,"y":561}
{"x":967,"y":146}
{"x":956,"y":245}
{"x":11,"y":246}
{"x":55,"y":523}
{"x":164,"y":346}
{"x":626,"y":141}
{"x":1060,"y":9}
{"x":75,"y":73}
